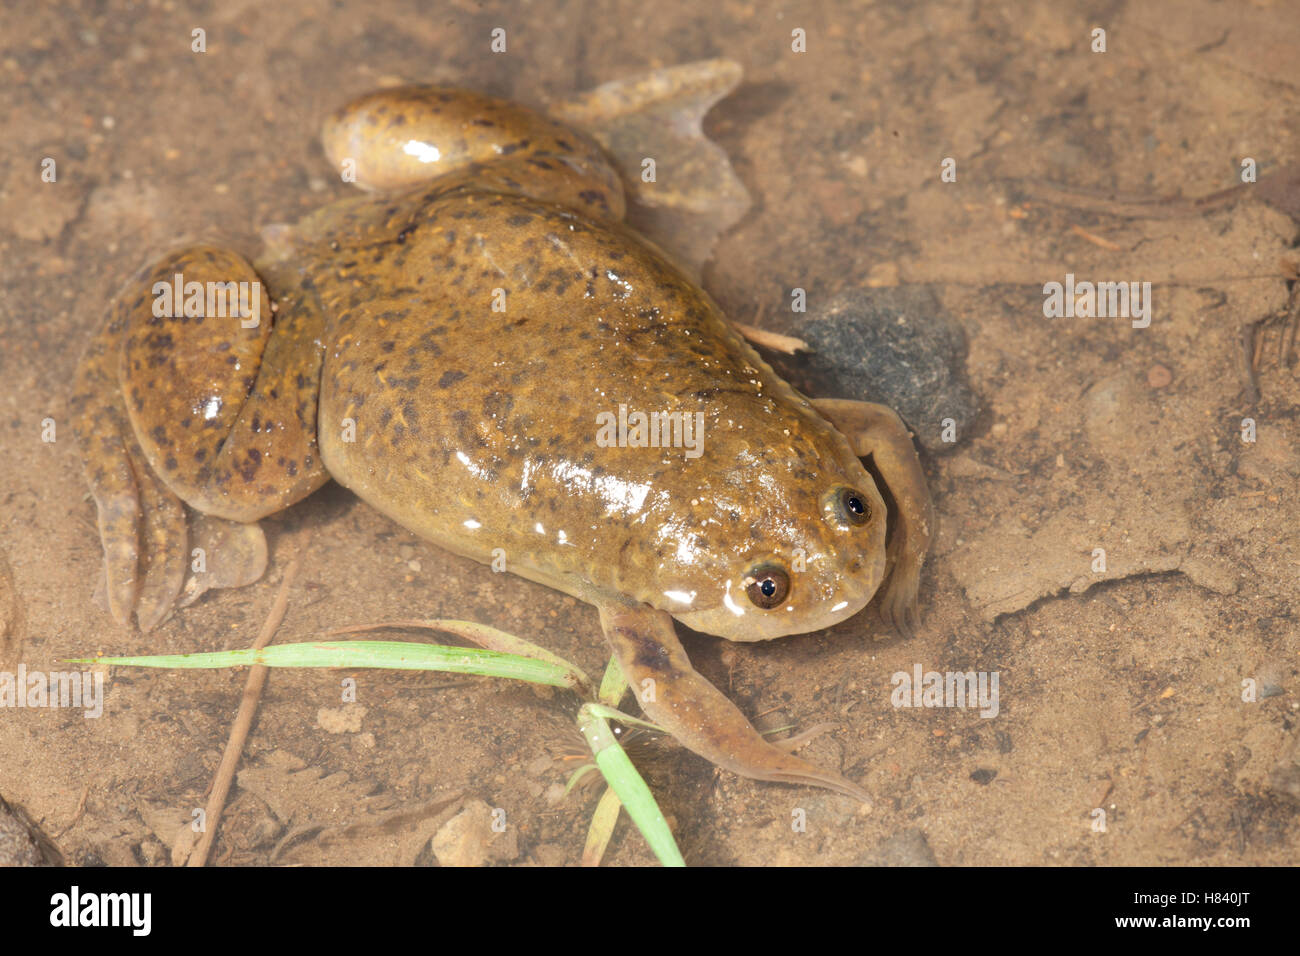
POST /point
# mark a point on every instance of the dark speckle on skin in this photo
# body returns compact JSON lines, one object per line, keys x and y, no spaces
{"x":650,"y":654}
{"x":462,"y":412}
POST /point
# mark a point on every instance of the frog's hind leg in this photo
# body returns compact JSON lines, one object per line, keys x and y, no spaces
{"x":412,"y":136}
{"x":695,"y":712}
{"x":141,"y":523}
{"x":111,"y":461}
{"x":224,"y":410}
{"x":194,"y":408}
{"x":877,"y":432}
{"x":586,"y":154}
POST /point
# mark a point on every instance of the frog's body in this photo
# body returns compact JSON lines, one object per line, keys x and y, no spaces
{"x":455,"y":349}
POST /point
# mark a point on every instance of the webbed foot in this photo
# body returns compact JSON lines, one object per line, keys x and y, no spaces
{"x":695,"y":195}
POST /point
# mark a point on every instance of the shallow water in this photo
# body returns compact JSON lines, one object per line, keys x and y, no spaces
{"x":1121,"y":683}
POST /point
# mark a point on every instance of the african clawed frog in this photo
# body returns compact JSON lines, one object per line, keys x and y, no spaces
{"x":442,"y":345}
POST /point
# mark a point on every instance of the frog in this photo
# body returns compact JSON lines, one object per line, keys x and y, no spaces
{"x":478,"y":345}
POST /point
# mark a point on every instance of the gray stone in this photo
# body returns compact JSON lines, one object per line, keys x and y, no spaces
{"x":896,"y":346}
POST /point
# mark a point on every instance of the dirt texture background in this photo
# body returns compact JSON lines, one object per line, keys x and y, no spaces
{"x":1121,"y":690}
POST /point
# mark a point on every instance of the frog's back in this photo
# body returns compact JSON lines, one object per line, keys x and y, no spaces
{"x":485,"y":373}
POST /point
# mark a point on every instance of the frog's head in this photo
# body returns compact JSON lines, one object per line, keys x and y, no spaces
{"x":786,"y":550}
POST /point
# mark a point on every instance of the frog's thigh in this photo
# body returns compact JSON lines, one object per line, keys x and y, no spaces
{"x":225,"y":414}
{"x":695,"y":712}
{"x":877,"y":431}
{"x":498,"y":144}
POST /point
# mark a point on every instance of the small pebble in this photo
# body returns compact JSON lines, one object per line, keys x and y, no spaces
{"x":463,"y":839}
{"x":1158,"y":376}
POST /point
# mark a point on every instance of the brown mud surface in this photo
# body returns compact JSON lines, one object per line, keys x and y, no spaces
{"x":1120,"y":690}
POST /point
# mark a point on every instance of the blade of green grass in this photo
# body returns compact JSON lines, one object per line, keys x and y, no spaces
{"x":600,"y":710}
{"x":576,"y":777}
{"x":613,"y":685}
{"x":602,"y":826}
{"x":535,"y":664}
{"x":483,"y":636}
{"x":622,"y":776}
{"x":398,"y":655}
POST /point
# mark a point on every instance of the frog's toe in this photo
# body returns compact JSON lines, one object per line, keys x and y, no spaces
{"x":142,"y":529}
{"x":899,"y":606}
{"x":119,"y":524}
{"x":227,"y":554}
{"x":164,"y":543}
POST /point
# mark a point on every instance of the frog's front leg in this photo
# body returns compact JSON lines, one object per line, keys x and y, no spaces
{"x":695,"y":712}
{"x":877,"y":431}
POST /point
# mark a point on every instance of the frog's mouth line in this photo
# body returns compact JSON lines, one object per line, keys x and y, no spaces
{"x":734,"y":618}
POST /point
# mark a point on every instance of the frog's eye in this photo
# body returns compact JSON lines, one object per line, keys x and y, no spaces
{"x":767,"y":586}
{"x":854,"y":506}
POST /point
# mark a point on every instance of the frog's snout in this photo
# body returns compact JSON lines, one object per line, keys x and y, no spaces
{"x":810,"y":585}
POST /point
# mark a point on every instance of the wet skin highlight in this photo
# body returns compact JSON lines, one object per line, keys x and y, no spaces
{"x":443,"y":347}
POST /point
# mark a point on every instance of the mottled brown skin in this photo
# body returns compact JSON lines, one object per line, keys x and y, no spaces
{"x":443,"y":348}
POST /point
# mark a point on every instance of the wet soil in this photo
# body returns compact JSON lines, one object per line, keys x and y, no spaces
{"x":1156,"y":689}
